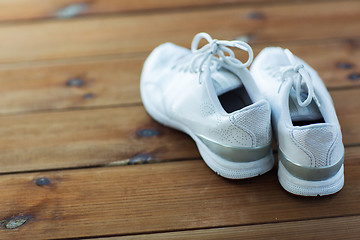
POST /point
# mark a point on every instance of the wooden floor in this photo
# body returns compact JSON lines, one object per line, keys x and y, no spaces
{"x":74,"y":135}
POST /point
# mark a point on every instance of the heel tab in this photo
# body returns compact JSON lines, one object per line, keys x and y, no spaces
{"x":319,"y":141}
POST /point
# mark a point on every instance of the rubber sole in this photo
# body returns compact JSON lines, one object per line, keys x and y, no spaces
{"x":223,"y":167}
{"x":310,"y":188}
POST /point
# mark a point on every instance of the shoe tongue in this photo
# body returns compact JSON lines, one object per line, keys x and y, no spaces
{"x":298,"y":113}
{"x":224,"y":81}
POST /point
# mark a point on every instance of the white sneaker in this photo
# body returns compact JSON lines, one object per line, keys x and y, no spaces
{"x":311,"y":152}
{"x":214,"y":100}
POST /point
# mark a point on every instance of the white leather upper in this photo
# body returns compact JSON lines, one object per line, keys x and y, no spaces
{"x":310,"y":145}
{"x":192,"y":100}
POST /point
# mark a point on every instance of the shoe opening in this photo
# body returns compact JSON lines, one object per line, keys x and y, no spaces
{"x":235,"y":99}
{"x":302,"y":116}
{"x":307,"y":122}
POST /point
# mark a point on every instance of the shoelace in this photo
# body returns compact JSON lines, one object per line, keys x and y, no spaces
{"x":206,"y":54}
{"x":302,"y":77}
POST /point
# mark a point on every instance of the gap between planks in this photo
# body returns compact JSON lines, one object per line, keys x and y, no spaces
{"x":331,"y":228}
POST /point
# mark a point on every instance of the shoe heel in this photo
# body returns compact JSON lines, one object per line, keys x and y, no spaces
{"x":236,"y":163}
{"x":310,"y":181}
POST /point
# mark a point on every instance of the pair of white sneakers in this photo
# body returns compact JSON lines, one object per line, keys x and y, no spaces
{"x":210,"y":95}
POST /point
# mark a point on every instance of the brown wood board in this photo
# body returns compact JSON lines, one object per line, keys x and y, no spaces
{"x":13,"y":10}
{"x":72,"y":118}
{"x":114,"y":80}
{"x":119,"y":135}
{"x":325,"y":228}
{"x":140,"y":33}
{"x":156,"y":197}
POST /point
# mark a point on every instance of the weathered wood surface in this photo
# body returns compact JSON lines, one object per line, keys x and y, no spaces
{"x":70,"y":84}
{"x":157,"y":197}
{"x":114,"y":80}
{"x":70,"y":103}
{"x":13,"y":10}
{"x":142,"y":32}
{"x":88,"y":138}
{"x":119,"y":135}
{"x":326,"y":228}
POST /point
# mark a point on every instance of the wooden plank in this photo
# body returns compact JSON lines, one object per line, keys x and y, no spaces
{"x":69,"y":84}
{"x":88,"y":138}
{"x":328,"y":228}
{"x":114,"y":136}
{"x":36,"y":9}
{"x":346,"y":104}
{"x":114,"y":80}
{"x":336,"y":62}
{"x":157,"y":197}
{"x":141,"y":33}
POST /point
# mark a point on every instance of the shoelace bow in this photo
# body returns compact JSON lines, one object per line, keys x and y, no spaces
{"x":206,"y":54}
{"x":301,"y":77}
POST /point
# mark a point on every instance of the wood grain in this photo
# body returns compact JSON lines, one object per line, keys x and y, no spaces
{"x":114,"y":80}
{"x":37,"y":9}
{"x":141,"y":33}
{"x":114,"y":136}
{"x":157,"y":197}
{"x":344,"y":101}
{"x":70,"y":84}
{"x":328,"y":228}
